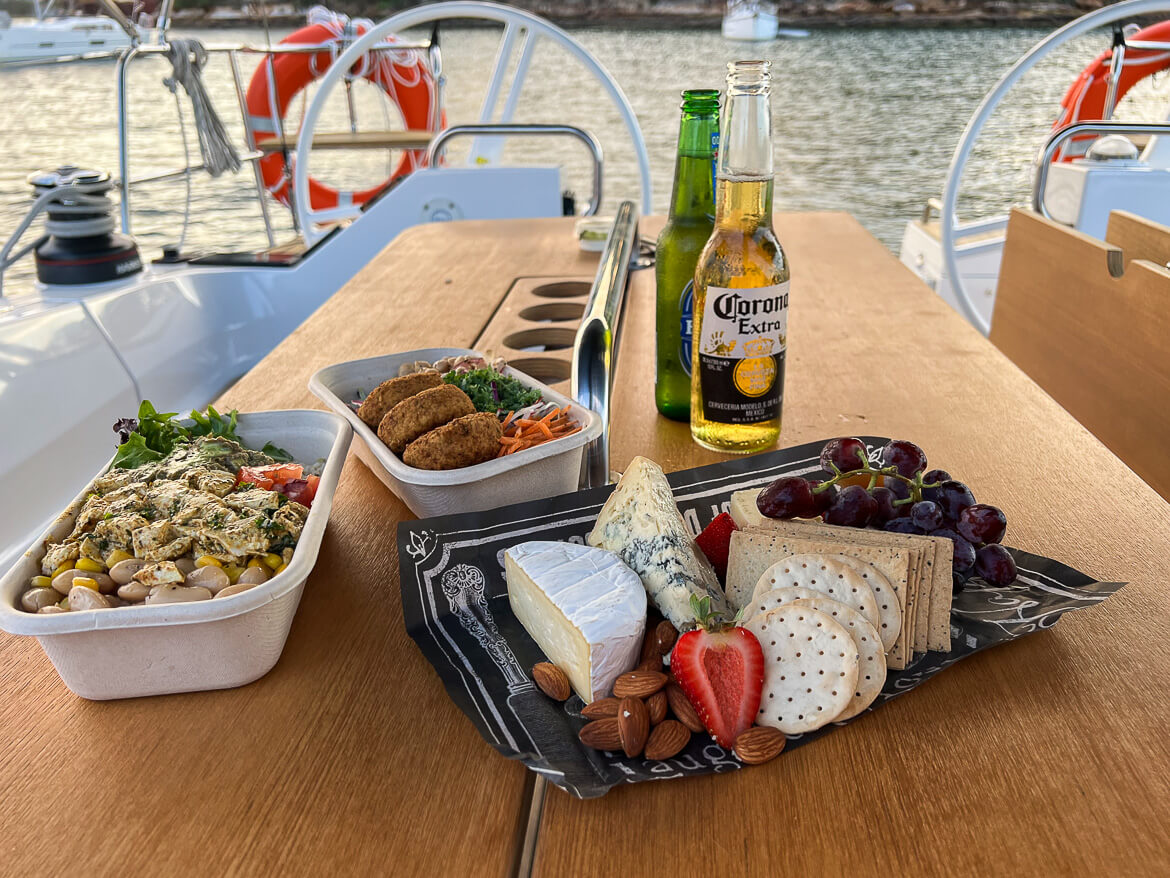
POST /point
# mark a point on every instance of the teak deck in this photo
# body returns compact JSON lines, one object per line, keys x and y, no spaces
{"x":1049,"y":756}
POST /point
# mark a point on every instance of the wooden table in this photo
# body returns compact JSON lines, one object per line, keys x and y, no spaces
{"x":1049,"y":755}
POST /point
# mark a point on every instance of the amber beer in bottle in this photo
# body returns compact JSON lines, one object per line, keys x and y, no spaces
{"x":741,"y":282}
{"x":692,"y":216}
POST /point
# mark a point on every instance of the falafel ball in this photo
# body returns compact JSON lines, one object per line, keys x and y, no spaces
{"x":465,"y":441}
{"x":391,"y":392}
{"x":421,"y":413}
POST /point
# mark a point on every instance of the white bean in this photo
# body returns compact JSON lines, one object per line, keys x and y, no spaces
{"x":64,"y":581}
{"x":238,"y":588}
{"x":186,"y":565}
{"x":133,"y":591}
{"x":82,"y":598}
{"x":210,"y":577}
{"x":177,"y":594}
{"x":123,"y":572}
{"x":255,"y":575}
{"x":51,"y":609}
{"x":36,"y":598}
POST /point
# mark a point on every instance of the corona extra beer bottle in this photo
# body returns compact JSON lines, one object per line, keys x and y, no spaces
{"x":741,"y":283}
{"x":692,"y":216}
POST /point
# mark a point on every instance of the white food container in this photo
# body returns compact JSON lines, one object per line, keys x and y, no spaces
{"x":544,"y":471}
{"x":128,"y":652}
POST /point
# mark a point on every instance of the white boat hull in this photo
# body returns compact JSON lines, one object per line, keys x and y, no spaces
{"x":31,"y":40}
{"x":757,"y":26}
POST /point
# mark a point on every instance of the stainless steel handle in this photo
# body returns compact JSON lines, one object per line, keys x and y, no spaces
{"x":1057,"y":139}
{"x":512,"y":129}
{"x":595,"y":348}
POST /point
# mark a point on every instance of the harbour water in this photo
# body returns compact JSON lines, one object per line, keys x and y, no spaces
{"x":865,"y":122}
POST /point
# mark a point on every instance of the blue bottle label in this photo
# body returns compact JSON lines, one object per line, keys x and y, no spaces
{"x":686,"y":308}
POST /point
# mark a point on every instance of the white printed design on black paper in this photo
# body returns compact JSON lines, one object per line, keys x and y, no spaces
{"x":452,"y":580}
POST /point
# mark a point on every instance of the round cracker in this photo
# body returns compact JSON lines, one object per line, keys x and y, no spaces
{"x":827,"y":575}
{"x":871,"y":656}
{"x":771,"y":598}
{"x":810,"y":668}
{"x":888,"y":606}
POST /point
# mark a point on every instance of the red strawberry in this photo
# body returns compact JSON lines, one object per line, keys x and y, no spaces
{"x":721,"y":670}
{"x":715,"y":541}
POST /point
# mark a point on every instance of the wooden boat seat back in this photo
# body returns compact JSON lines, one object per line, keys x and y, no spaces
{"x":1088,"y":321}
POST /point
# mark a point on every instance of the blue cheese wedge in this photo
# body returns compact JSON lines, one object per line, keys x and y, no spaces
{"x":642,"y":524}
{"x":582,"y":606}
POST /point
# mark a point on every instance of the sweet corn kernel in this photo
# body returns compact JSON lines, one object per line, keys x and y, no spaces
{"x":41,"y":582}
{"x":85,"y":582}
{"x":233,"y":572}
{"x":89,"y":565}
{"x":207,"y":561}
{"x":255,"y":562}
{"x":274,"y":561}
{"x":117,"y":555}
{"x":280,"y":569}
{"x":68,"y":565}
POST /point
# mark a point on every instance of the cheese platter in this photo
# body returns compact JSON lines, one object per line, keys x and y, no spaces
{"x":713,"y":618}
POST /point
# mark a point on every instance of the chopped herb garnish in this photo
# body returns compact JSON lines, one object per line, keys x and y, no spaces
{"x":492,"y":392}
{"x":155,"y":434}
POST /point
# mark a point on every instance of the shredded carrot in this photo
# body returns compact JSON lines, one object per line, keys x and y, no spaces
{"x":521,"y":434}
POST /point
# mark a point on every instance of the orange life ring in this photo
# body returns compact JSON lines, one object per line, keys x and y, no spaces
{"x":403,"y":76}
{"x":1085,"y":100}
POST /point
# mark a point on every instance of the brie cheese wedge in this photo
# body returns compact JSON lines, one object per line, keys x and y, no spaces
{"x":584,"y":608}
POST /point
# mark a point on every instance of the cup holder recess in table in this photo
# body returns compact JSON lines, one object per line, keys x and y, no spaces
{"x":550,"y":338}
{"x":564,"y":289}
{"x":554,"y":312}
{"x":543,"y":369}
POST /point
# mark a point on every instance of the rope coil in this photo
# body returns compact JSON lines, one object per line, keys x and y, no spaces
{"x":187,"y":59}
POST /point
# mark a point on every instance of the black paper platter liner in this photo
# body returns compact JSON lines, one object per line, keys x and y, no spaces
{"x":455,"y":604}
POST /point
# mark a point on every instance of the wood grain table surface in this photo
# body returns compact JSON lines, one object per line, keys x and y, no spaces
{"x":1046,"y":756}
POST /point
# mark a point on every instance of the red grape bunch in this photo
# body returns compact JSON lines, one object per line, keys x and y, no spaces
{"x":894,"y":491}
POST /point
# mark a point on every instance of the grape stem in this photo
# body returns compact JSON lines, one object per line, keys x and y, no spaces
{"x":915,"y":484}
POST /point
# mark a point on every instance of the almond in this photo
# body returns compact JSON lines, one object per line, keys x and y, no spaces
{"x":552,"y":681}
{"x":650,"y":663}
{"x":638,"y":684}
{"x":666,"y":635}
{"x":656,"y":706}
{"x":633,"y":725}
{"x":601,"y":708}
{"x":682,"y":708}
{"x":650,"y":645}
{"x":759,"y":744}
{"x":601,"y":734}
{"x":667,"y":739}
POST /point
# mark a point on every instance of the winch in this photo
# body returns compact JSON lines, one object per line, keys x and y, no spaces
{"x":82,"y":246}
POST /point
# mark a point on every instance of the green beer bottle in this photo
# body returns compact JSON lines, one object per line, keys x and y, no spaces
{"x":692,"y":217}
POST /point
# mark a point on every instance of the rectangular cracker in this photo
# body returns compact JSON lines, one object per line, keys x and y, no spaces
{"x":939,"y":636}
{"x":903,"y":651}
{"x":755,"y":549}
{"x":926,"y":589}
{"x":928,"y":605}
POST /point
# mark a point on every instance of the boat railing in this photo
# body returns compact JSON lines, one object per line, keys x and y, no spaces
{"x":234,"y":51}
{"x":595,"y":347}
{"x":1057,"y":139}
{"x":512,"y":129}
